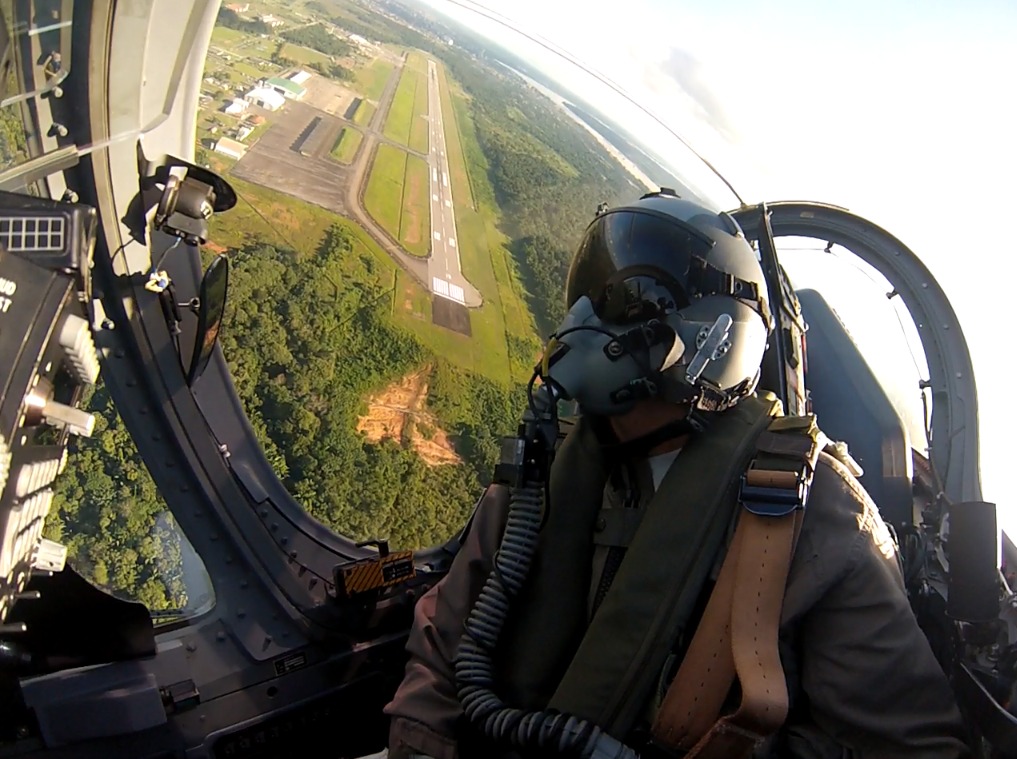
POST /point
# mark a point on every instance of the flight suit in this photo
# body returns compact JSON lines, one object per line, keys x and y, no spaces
{"x":862,"y":679}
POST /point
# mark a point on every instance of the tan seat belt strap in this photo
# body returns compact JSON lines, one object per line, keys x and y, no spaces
{"x":738,"y":633}
{"x":752,"y":574}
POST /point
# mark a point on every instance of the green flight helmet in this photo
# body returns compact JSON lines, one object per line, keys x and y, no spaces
{"x":676,"y":261}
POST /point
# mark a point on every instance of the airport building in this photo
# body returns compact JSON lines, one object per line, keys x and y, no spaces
{"x":237,"y":107}
{"x":230,"y":148}
{"x":266,"y":97}
{"x":286,"y":87}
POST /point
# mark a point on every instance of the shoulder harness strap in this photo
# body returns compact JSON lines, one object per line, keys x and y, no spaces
{"x":737,"y":636}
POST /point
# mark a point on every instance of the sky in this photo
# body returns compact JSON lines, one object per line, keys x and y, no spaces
{"x":900,"y":111}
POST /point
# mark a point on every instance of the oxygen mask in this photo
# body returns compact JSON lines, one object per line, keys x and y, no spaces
{"x":606,"y":367}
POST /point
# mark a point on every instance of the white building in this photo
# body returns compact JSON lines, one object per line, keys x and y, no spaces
{"x":265,"y":97}
{"x":237,"y":107}
{"x":230,"y":148}
{"x":359,"y":40}
{"x":272,"y":21}
{"x":243,"y":131}
{"x":299,"y":77}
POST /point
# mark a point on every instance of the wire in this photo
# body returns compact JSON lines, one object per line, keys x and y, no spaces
{"x":940,"y":494}
{"x":551,"y":47}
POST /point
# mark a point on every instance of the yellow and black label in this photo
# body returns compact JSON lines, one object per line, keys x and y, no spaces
{"x":371,"y":574}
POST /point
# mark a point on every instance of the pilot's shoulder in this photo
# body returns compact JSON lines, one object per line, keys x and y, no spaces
{"x":838,"y":494}
{"x":840,"y":516}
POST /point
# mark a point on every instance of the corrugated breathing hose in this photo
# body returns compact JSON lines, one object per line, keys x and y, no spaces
{"x":474,"y":662}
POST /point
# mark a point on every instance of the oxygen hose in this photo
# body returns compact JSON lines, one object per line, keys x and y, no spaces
{"x":474,"y":663}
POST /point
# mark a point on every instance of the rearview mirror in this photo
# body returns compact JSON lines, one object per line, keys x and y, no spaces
{"x":211,"y":309}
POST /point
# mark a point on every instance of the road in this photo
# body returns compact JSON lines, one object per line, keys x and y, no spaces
{"x":444,"y":267}
{"x":357,"y":182}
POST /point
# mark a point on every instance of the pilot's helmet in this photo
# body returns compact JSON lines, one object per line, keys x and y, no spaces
{"x":668,"y":258}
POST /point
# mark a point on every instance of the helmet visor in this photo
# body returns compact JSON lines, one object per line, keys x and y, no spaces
{"x":632,"y":264}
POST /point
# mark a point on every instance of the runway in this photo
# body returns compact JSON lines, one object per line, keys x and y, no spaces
{"x":444,"y":266}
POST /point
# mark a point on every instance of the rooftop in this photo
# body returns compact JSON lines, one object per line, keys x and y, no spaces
{"x":286,"y":84}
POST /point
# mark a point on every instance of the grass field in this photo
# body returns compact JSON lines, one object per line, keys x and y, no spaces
{"x":303,"y":55}
{"x":383,"y":198}
{"x":405,"y":123}
{"x":371,"y":79}
{"x":224,"y":37}
{"x":364,"y":113}
{"x":415,"y":223}
{"x":346,"y":146}
{"x":396,"y":198}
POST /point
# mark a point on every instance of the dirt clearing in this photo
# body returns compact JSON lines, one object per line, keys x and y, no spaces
{"x":398,"y":413}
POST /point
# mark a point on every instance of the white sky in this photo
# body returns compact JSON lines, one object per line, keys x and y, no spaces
{"x":903,"y":112}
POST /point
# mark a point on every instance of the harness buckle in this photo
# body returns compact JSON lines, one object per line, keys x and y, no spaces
{"x":773,"y":492}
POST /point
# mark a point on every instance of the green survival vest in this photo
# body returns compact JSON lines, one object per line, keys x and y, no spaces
{"x":604,"y":671}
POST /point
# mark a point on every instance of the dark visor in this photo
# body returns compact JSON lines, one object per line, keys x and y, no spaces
{"x":632,"y":263}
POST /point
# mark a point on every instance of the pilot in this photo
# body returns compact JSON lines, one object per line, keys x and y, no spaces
{"x":706,"y":578}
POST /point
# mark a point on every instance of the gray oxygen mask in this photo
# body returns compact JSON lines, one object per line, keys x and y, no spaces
{"x":605,"y":367}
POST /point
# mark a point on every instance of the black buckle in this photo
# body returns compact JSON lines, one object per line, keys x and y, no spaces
{"x":773,"y":492}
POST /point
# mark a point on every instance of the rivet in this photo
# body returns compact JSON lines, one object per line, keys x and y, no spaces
{"x":118,"y":352}
{"x":191,"y":646}
{"x":241,"y":613}
{"x":220,"y":636}
{"x":213,"y":536}
{"x":244,"y":584}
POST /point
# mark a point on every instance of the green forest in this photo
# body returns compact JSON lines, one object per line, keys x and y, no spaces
{"x":233,"y":20}
{"x":316,"y":38}
{"x":108,"y":512}
{"x":304,"y":359}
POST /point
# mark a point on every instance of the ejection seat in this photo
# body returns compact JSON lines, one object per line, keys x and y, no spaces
{"x":852,"y":406}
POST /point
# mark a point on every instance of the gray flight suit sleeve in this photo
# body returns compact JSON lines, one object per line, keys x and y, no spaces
{"x":867,"y":671}
{"x":425,"y":708}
